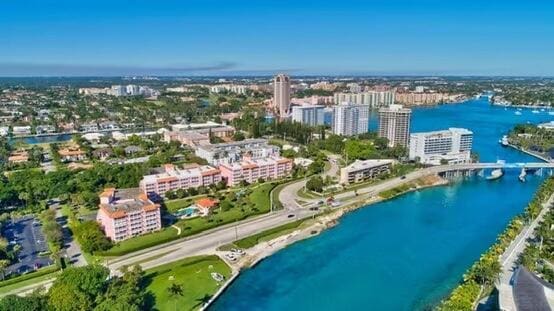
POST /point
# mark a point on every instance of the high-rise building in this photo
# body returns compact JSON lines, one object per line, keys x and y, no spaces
{"x":118,"y":90}
{"x":281,"y":94}
{"x":371,"y":98}
{"x":133,"y":89}
{"x":311,"y":115}
{"x":394,"y":125}
{"x":350,"y":119}
{"x":452,"y":146}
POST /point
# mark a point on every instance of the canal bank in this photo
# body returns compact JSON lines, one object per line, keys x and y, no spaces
{"x":402,"y":254}
{"x":321,"y":223}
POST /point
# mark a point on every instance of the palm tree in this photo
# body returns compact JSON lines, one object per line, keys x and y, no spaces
{"x":175,"y":290}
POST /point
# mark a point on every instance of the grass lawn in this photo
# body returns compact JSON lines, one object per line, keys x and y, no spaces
{"x":269,"y":234}
{"x":257,"y":203}
{"x":28,"y":279}
{"x":194,"y":277}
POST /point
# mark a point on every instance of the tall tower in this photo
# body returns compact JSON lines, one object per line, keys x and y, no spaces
{"x":281,"y":94}
{"x":394,"y":125}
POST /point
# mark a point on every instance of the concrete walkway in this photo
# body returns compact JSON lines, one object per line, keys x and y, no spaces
{"x":510,"y":256}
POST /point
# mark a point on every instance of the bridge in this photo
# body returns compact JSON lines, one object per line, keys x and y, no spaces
{"x":468,"y":168}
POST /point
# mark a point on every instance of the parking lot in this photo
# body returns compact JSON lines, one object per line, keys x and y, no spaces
{"x":26,"y":231}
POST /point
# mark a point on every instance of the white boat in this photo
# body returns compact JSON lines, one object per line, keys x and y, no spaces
{"x":551,"y":113}
{"x":522,"y":175}
{"x":535,"y":111}
{"x":504,"y":141}
{"x":518,"y":113}
{"x":495,"y":174}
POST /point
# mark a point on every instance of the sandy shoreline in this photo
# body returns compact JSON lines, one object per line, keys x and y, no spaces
{"x":260,"y":251}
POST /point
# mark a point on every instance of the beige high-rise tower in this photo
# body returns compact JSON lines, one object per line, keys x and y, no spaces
{"x":281,"y":94}
{"x":394,"y":125}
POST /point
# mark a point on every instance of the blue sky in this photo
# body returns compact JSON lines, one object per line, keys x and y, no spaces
{"x":447,"y":37}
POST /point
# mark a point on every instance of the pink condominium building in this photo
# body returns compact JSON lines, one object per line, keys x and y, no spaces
{"x":127,"y":213}
{"x":173,"y":178}
{"x":252,"y":170}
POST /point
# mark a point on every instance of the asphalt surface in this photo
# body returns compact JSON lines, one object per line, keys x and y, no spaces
{"x":26,"y":232}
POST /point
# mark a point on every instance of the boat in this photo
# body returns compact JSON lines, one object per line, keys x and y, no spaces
{"x":522,"y":175}
{"x":518,"y":113}
{"x":504,"y":141}
{"x":551,"y":113}
{"x":495,"y":174}
{"x":535,"y":111}
{"x":542,"y":109}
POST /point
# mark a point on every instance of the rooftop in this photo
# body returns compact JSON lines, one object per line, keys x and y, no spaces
{"x":122,"y":201}
{"x":444,"y":133}
{"x":365,"y":164}
{"x":236,"y":145}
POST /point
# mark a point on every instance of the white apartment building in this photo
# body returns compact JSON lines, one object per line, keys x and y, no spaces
{"x":233,"y":88}
{"x":350,"y":119}
{"x":133,"y":89}
{"x":118,"y":90}
{"x":364,"y":170}
{"x":173,"y":178}
{"x":371,"y":98}
{"x":452,"y":146}
{"x":310,"y":115}
{"x":394,"y":125}
{"x":255,"y":149}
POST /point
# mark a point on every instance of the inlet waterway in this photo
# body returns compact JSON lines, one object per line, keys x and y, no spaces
{"x":406,"y":253}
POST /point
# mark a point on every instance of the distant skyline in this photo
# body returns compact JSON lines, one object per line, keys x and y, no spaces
{"x":208,"y":37}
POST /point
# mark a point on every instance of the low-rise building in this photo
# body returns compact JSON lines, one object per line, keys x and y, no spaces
{"x":205,"y":205}
{"x":18,"y":157}
{"x":189,"y":138}
{"x":72,"y":154}
{"x":362,"y":170}
{"x":450,"y":146}
{"x":255,"y":149}
{"x":171,"y":178}
{"x":194,"y":134}
{"x":251,"y":171}
{"x":21,"y":130}
{"x":125,"y":213}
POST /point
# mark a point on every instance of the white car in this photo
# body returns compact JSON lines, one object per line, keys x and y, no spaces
{"x":237,"y":251}
{"x":230,"y":257}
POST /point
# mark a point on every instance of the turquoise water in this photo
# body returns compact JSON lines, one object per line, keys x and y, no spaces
{"x":406,"y":253}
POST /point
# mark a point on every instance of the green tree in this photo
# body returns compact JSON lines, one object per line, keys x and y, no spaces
{"x":91,"y":238}
{"x":315,"y":184}
{"x":4,"y":263}
{"x":175,"y":291}
{"x":78,"y":288}
{"x":32,"y":302}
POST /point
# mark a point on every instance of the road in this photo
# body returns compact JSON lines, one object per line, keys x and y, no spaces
{"x":72,"y":249}
{"x":289,"y":194}
{"x":208,"y":241}
{"x":510,"y":256}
